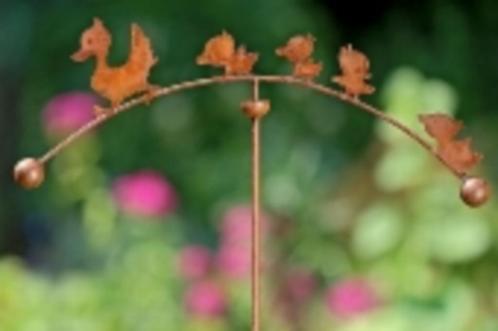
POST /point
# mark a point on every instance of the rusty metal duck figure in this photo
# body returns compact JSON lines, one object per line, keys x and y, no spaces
{"x":117,"y":83}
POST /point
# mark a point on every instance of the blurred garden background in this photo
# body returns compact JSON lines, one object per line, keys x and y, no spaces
{"x":144,"y":225}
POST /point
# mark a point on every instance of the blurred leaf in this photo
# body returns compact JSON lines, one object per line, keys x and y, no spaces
{"x":458,"y":238}
{"x":406,"y":95}
{"x":402,"y":167}
{"x":378,"y":230}
{"x":99,"y":217}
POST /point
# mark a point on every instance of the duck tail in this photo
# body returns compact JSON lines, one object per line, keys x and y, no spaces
{"x":141,"y":53}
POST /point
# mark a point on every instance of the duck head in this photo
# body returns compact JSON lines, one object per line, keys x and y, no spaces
{"x":94,"y":41}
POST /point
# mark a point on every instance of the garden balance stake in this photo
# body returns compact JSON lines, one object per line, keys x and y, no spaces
{"x":120,"y":83}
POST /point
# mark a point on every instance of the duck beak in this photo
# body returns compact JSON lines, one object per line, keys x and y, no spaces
{"x":81,"y":55}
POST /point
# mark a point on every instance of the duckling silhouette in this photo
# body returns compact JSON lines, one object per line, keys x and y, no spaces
{"x":117,"y":83}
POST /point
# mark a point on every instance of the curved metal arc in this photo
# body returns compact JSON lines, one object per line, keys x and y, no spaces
{"x":188,"y":85}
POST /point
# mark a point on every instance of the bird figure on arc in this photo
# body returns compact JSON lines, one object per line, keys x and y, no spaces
{"x":117,"y":83}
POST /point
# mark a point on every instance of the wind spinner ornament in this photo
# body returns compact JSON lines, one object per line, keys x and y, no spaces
{"x":127,"y":86}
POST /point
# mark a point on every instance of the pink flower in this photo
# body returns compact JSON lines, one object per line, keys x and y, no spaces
{"x":300,"y":284}
{"x":351,"y":297}
{"x":67,"y":112}
{"x":206,"y":299}
{"x":234,"y":261}
{"x":234,"y":255}
{"x":294,"y":292}
{"x":145,"y":193}
{"x":195,"y":262}
{"x":236,"y":225}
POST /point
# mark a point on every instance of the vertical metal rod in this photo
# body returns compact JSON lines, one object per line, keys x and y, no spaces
{"x":256,"y":225}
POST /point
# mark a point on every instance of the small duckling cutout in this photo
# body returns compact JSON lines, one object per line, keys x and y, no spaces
{"x":117,"y":83}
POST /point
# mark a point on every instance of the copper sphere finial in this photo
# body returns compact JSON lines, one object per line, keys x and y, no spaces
{"x":475,"y":191}
{"x":29,"y":173}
